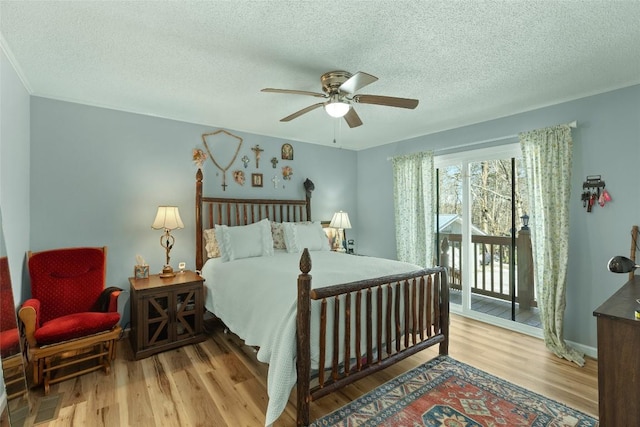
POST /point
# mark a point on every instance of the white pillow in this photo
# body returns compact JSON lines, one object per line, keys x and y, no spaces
{"x":245,"y":241}
{"x":298,"y":236}
{"x":218,"y":232}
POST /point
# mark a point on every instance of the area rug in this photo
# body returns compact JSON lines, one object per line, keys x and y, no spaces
{"x":448,"y":393}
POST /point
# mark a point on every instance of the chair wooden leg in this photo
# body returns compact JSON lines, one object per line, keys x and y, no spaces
{"x":35,"y":368}
{"x":38,"y":369}
{"x":112,"y":349}
{"x":47,"y":375}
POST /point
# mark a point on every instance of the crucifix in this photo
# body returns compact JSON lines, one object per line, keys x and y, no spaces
{"x":275,"y":181}
{"x":257,"y":150}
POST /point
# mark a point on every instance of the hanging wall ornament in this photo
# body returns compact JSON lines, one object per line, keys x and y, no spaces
{"x":287,"y":152}
{"x":287,"y":172}
{"x":199,"y":157}
{"x":257,"y":150}
{"x":245,"y":161}
{"x":238,"y":176}
{"x":206,"y":136}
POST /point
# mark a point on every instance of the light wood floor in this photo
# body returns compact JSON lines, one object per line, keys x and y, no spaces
{"x":219,"y":382}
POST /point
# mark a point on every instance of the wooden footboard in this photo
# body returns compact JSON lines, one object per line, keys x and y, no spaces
{"x":402,"y":314}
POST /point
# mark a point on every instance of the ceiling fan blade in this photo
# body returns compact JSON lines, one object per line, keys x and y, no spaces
{"x":357,"y":82}
{"x":352,"y":118}
{"x":294,"y":92}
{"x":389,"y":101}
{"x":301,"y":112}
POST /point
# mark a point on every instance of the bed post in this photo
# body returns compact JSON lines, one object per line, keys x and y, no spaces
{"x":443,"y":285}
{"x":199,"y":260}
{"x":308,"y":189}
{"x":303,"y":359}
{"x":444,"y":310}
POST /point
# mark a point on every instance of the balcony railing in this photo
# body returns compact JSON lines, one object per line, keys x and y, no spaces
{"x":492,"y":274}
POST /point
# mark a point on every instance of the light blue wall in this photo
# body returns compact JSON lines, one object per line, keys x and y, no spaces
{"x":14,"y":171}
{"x":606,"y":142}
{"x":94,"y":176}
{"x":98,"y":175}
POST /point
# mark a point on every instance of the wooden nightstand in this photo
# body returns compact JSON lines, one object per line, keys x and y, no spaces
{"x":166,"y":313}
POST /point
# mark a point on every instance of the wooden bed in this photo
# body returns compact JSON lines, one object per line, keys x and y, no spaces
{"x":380,"y":301}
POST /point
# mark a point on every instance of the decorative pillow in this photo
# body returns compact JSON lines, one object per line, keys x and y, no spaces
{"x":245,"y":241}
{"x":277,"y":233}
{"x":211,"y":244}
{"x":298,"y":236}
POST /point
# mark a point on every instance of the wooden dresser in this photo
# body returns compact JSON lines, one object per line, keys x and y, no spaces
{"x":619,"y":357}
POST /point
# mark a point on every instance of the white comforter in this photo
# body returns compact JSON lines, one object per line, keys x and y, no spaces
{"x":256,"y":299}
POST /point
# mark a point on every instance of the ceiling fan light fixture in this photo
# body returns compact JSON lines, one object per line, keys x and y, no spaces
{"x":336,"y":108}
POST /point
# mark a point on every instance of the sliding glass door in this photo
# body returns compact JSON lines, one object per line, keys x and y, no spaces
{"x":482,"y":197}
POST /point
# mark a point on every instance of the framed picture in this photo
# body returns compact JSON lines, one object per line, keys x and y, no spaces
{"x":287,"y":152}
{"x":256,"y":180}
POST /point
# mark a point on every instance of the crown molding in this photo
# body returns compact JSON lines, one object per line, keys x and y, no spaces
{"x":14,"y":63}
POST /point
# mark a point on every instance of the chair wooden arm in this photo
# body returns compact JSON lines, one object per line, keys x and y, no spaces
{"x":29,"y":314}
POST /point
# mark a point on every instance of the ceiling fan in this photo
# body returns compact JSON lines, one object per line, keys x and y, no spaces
{"x":339,"y":89}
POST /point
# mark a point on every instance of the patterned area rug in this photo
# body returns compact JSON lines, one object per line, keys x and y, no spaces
{"x":447,"y":393}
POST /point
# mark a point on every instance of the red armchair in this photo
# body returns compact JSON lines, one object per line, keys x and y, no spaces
{"x":9,"y":337}
{"x":71,"y":318}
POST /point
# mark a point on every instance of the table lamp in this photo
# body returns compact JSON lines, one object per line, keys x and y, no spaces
{"x":340,"y":221}
{"x":167,"y":218}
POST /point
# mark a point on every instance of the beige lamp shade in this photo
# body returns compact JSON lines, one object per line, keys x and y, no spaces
{"x":340,"y":220}
{"x":167,"y":218}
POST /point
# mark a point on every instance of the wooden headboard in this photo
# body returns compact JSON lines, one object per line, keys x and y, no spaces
{"x":225,"y":211}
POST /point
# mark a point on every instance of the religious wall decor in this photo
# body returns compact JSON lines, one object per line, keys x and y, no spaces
{"x":257,"y":150}
{"x":274,"y":162}
{"x":275,"y":181}
{"x":199,"y":157}
{"x":245,"y":161}
{"x":238,"y":176}
{"x":287,"y":152}
{"x":217,"y":135}
{"x":256,"y":180}
{"x":287,"y":172}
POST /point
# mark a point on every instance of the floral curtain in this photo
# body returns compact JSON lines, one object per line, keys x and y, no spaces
{"x":548,"y":156}
{"x":414,"y":204}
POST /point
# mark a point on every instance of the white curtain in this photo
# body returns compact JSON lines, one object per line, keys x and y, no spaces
{"x":548,"y":156}
{"x":414,"y":204}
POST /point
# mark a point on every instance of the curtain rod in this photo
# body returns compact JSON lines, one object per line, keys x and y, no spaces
{"x":573,"y":125}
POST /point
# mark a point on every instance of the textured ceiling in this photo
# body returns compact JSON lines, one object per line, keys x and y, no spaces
{"x":205,"y":62}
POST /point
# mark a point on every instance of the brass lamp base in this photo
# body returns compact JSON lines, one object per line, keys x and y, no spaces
{"x":167,"y":271}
